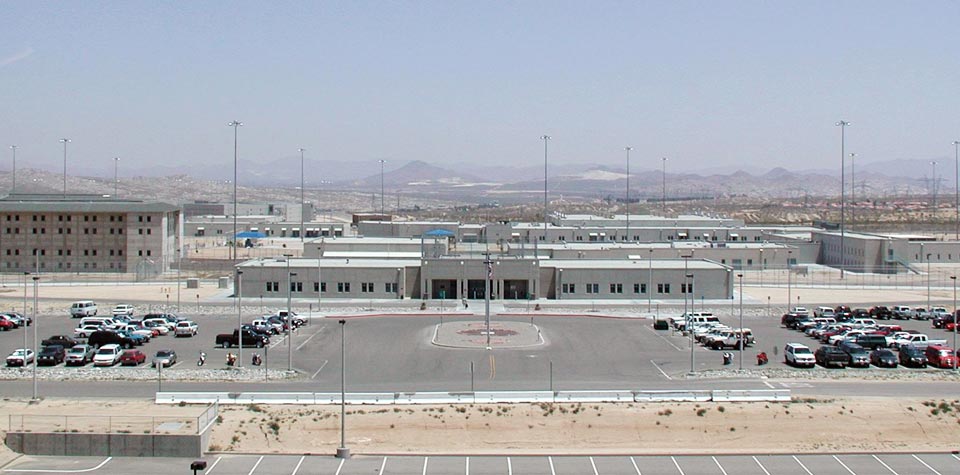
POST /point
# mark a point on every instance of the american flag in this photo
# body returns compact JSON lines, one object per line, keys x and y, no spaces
{"x":489,"y":270}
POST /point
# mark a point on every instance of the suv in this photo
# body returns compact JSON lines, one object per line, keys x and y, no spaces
{"x":831,"y":356}
{"x":103,"y":338}
{"x":872,"y":341}
{"x":123,"y":309}
{"x":83,"y":308}
{"x":107,"y":355}
{"x":881,"y":313}
{"x":185,"y":328}
{"x":857,"y":354}
{"x":938,"y":356}
{"x":912,"y":356}
{"x":798,"y":355}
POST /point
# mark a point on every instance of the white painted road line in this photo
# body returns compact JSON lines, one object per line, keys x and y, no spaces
{"x":677,"y":464}
{"x":509,"y":467}
{"x":925,"y":465}
{"x":425,"y":459}
{"x":592,"y":464}
{"x":724,"y":472}
{"x":761,"y":466}
{"x":254,"y":469}
{"x":297,"y":468}
{"x":804,"y":467}
{"x":552,"y":471}
{"x":339,"y":467}
{"x":768,"y":384}
{"x":82,"y":470}
{"x":664,"y":339}
{"x":212,"y":466}
{"x":635,"y":467}
{"x":844,"y":465}
{"x":467,"y":467}
{"x":319,"y":370}
{"x":665,"y":375}
{"x":308,"y":339}
{"x":955,"y":456}
{"x":885,"y":465}
{"x":382,"y":466}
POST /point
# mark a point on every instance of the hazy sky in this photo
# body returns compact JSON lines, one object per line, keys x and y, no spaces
{"x":711,"y":83}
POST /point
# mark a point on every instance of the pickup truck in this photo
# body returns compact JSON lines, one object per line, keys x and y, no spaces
{"x":726,"y":339}
{"x":902,"y":312}
{"x":916,"y":339}
{"x":62,"y":340}
{"x":226,"y":340}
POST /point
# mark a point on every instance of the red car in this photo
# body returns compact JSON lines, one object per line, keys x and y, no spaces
{"x":941,"y":356}
{"x":950,"y":327}
{"x":132,"y":358}
{"x":6,"y":324}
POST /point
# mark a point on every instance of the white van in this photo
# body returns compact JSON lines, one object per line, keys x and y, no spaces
{"x":83,"y":308}
{"x":105,"y":322}
{"x":796,"y":354}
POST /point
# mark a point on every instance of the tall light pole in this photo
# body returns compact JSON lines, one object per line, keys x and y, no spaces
{"x":789,"y":279}
{"x":663,"y":196}
{"x":628,"y":149}
{"x":955,"y":323}
{"x":240,"y":317}
{"x":236,"y":124}
{"x":14,"y":148}
{"x":741,"y":335}
{"x":289,"y":317}
{"x":64,"y":142}
{"x":853,"y":191}
{"x":933,"y":189}
{"x":546,"y":139}
{"x":486,"y":297}
{"x":36,"y":327}
{"x":26,"y":314}
{"x":381,"y":188}
{"x":650,"y":281}
{"x":116,"y":178}
{"x":302,"y":201}
{"x":956,"y":192}
{"x":179,"y":265}
{"x":689,"y":278}
{"x":843,"y":193}
{"x":343,"y":452}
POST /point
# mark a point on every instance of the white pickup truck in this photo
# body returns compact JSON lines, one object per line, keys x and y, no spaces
{"x":916,"y":339}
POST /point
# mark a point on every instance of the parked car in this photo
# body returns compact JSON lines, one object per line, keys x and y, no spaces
{"x":132,"y":358}
{"x":167,"y":319}
{"x":902,"y":312}
{"x":940,"y":356}
{"x":21,"y":357}
{"x":883,"y":358}
{"x":860,"y":313}
{"x":123,"y":309}
{"x":6,"y":324}
{"x":104,"y":337}
{"x":298,"y":321}
{"x":22,"y":320}
{"x":859,"y":357}
{"x":912,"y":356}
{"x":881,"y":312}
{"x":160,"y":327}
{"x":85,"y":331}
{"x":79,"y":355}
{"x":274,"y":328}
{"x":137,"y":338}
{"x":921,"y":313}
{"x":62,"y":340}
{"x":185,"y":328}
{"x":166,"y":357}
{"x":842,"y":312}
{"x":795,"y":354}
{"x":226,"y":340}
{"x":83,"y":308}
{"x":827,"y":356}
{"x":51,"y":355}
{"x":916,"y":339}
{"x":107,"y":355}
{"x":941,"y":321}
{"x":872,"y":341}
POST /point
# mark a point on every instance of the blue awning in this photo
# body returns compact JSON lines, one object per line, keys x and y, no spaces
{"x":439,"y":233}
{"x":251,"y":235}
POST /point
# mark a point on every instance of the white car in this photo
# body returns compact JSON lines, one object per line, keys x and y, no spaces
{"x":156,"y":323}
{"x":85,"y":331}
{"x":185,"y":328}
{"x":107,"y":355}
{"x":21,"y":357}
{"x":123,"y":309}
{"x":798,"y":355}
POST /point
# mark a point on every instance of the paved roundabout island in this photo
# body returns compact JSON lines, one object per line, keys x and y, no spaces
{"x":474,"y":334}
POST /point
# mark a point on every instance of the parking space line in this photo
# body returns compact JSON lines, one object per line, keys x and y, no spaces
{"x":212,"y":466}
{"x":340,"y":467}
{"x":925,"y":464}
{"x":804,"y":467}
{"x":552,"y":471}
{"x":297,"y":468}
{"x":665,"y":375}
{"x":467,"y":467}
{"x":768,"y":384}
{"x":635,"y":467}
{"x":955,"y":456}
{"x":308,"y":339}
{"x":592,"y":464}
{"x":755,"y":459}
{"x":724,"y":472}
{"x":664,"y":339}
{"x":82,"y":470}
{"x":319,"y":370}
{"x":254,"y":469}
{"x":885,"y":465}
{"x":677,"y":464}
{"x":844,"y":465}
{"x":425,"y":460}
{"x":383,"y":465}
{"x":509,"y":467}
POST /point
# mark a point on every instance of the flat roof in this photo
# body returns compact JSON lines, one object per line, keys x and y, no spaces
{"x":74,"y":203}
{"x":367,"y":240}
{"x":372,"y":254}
{"x":659,"y":264}
{"x":301,"y":263}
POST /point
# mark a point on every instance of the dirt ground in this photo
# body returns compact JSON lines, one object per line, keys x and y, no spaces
{"x":808,"y":425}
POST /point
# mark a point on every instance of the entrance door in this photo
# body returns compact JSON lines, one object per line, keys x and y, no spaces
{"x":444,"y":289}
{"x":515,"y":290}
{"x":476,"y":289}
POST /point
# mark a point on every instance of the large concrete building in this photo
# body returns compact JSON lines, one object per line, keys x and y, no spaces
{"x":87,"y":233}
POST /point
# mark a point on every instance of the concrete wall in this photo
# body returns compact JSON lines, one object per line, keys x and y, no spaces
{"x":115,"y":445}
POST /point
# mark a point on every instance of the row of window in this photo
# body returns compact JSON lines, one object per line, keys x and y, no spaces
{"x":86,"y":218}
{"x":342,"y":287}
{"x":757,"y":238}
{"x":62,"y":265}
{"x":12,"y":230}
{"x":617,"y":288}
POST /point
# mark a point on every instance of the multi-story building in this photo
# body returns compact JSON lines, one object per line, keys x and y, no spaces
{"x":86,"y":233}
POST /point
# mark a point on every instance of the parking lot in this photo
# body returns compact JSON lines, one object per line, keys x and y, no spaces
{"x":394,"y":353}
{"x":845,"y":464}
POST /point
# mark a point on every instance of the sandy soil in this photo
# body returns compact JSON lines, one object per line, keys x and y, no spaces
{"x":816,"y":425}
